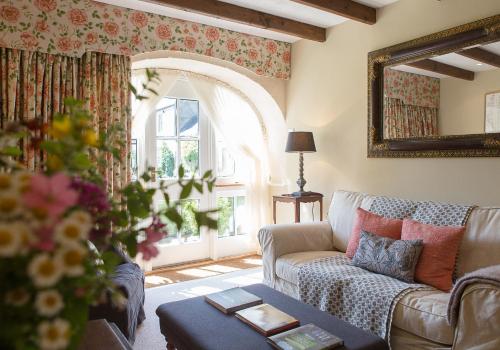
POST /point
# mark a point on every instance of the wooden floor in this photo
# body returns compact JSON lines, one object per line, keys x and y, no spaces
{"x":188,"y":272}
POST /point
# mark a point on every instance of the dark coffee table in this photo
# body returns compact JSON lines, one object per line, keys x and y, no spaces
{"x":193,"y":324}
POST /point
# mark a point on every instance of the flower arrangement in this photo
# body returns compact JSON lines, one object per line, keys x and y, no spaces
{"x":55,"y":226}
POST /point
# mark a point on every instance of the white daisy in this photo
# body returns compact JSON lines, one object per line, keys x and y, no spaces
{"x":72,"y":257}
{"x":10,"y":240}
{"x":23,"y":180}
{"x":7,"y":182}
{"x":10,"y":204}
{"x":26,"y":237}
{"x":71,"y":229}
{"x":48,"y":302}
{"x":82,"y":217}
{"x":17,"y":297}
{"x":44,"y":270}
{"x":53,"y":335}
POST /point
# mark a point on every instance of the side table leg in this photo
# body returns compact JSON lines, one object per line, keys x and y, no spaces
{"x":274,"y":211}
{"x":321,"y":209}
{"x":297,"y":211}
{"x":170,"y":346}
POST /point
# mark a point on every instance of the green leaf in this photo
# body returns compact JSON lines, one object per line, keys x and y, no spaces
{"x":181,"y":172}
{"x":173,"y":215}
{"x":186,"y":190}
{"x":198,"y":186}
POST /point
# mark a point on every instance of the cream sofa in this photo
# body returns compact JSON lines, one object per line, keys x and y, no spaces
{"x":419,"y":320}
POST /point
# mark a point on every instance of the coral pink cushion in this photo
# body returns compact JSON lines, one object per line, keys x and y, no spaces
{"x":373,"y":223}
{"x":437,"y":260}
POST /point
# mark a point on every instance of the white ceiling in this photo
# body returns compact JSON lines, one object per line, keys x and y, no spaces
{"x":456,"y":60}
{"x":282,"y":8}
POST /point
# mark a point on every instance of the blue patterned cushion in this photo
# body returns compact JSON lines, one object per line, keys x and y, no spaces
{"x":391,"y":257}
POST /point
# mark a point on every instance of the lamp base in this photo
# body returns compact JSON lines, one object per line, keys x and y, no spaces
{"x":304,"y":194}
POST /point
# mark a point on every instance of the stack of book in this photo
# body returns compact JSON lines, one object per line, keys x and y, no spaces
{"x":281,"y":329}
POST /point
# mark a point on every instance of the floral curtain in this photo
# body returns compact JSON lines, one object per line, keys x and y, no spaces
{"x":403,"y":121}
{"x":411,"y":104}
{"x":33,"y":86}
{"x":104,"y":86}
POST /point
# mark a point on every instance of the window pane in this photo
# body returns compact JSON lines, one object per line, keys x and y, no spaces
{"x":190,"y":151}
{"x":188,"y":117}
{"x":226,"y":216}
{"x":133,"y":160}
{"x":166,"y":154}
{"x":240,"y":215}
{"x":165,"y":118}
{"x":172,"y":237}
{"x":189,"y":230}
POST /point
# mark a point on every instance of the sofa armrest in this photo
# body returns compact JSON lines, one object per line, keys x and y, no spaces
{"x":278,"y":240}
{"x":478,"y":318}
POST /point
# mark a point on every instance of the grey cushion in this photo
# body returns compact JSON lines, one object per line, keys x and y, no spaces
{"x":391,"y":257}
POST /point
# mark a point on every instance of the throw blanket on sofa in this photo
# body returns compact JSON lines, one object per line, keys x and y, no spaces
{"x":488,"y":275}
{"x":355,"y":295}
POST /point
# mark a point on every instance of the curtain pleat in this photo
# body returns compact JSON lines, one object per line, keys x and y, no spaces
{"x":34,"y":86}
{"x":404,"y":120}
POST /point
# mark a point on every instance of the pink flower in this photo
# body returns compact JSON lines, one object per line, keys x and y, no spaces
{"x":77,"y":17}
{"x":10,"y":13}
{"x":154,"y":233}
{"x":147,"y":250}
{"x":212,"y":34}
{"x":50,"y":196}
{"x":163,"y":32}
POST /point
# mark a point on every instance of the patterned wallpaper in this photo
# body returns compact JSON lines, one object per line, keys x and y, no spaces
{"x":71,"y":27}
{"x":412,"y":89}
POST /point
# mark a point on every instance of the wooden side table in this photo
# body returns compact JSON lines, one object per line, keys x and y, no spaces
{"x":286,"y":198}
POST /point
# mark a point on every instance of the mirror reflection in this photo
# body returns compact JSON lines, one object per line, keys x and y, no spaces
{"x":453,"y":94}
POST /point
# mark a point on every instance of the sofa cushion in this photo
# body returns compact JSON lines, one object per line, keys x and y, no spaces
{"x":437,"y":260}
{"x":375,"y":224}
{"x":391,"y":257}
{"x":423,"y":313}
{"x":287,"y":266}
{"x":481,"y":241}
{"x":341,"y":216}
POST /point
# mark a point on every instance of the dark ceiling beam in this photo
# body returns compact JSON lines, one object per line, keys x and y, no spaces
{"x":481,"y":55}
{"x":443,"y":68}
{"x":233,"y":13}
{"x":345,"y":8}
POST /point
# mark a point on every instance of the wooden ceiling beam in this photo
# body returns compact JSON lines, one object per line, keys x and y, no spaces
{"x":443,"y":68}
{"x":345,"y":8}
{"x":481,"y":55}
{"x":234,"y":13}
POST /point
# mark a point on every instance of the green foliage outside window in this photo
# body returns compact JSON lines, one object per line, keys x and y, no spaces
{"x":225,"y":214}
{"x":167,"y":162}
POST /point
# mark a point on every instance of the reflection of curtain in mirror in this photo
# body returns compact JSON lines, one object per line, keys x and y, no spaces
{"x":411,"y":104}
{"x":402,"y":120}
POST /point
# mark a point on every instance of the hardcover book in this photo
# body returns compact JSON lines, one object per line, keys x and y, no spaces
{"x":308,"y":337}
{"x":267,"y":319}
{"x":231,"y":300}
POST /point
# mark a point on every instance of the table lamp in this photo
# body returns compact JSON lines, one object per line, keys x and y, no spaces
{"x":301,"y":142}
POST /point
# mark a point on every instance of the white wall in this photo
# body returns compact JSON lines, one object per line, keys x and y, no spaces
{"x":327,"y":94}
{"x":463,"y":103}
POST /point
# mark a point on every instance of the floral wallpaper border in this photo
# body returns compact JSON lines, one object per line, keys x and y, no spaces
{"x":412,"y":89}
{"x":72,"y":27}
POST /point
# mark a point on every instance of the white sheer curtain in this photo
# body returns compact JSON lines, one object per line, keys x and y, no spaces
{"x":239,"y":125}
{"x":141,"y":109}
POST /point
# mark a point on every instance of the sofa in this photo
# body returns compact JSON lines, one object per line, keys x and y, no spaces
{"x":419,"y":320}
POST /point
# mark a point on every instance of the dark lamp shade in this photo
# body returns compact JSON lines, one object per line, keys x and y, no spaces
{"x":300,"y":141}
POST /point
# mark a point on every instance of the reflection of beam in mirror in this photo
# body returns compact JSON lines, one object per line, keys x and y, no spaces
{"x":481,"y":55}
{"x":443,"y":68}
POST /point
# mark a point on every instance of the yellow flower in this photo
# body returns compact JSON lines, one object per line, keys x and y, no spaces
{"x":6,"y":182}
{"x":54,"y":335}
{"x":48,"y":302}
{"x":26,"y":237}
{"x":90,"y":138}
{"x":61,"y":127}
{"x":54,"y":163}
{"x":23,"y":179}
{"x":44,"y":270}
{"x":72,"y":258}
{"x":17,"y":297}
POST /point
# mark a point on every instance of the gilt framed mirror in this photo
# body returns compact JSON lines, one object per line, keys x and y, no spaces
{"x":438,"y":95}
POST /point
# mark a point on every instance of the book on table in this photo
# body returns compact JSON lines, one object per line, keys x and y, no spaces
{"x":267,"y":319}
{"x":231,"y":300}
{"x":308,"y":337}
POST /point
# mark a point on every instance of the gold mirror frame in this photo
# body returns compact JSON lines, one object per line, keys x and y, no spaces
{"x":473,"y":145}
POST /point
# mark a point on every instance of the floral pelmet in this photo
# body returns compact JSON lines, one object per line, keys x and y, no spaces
{"x":74,"y":27}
